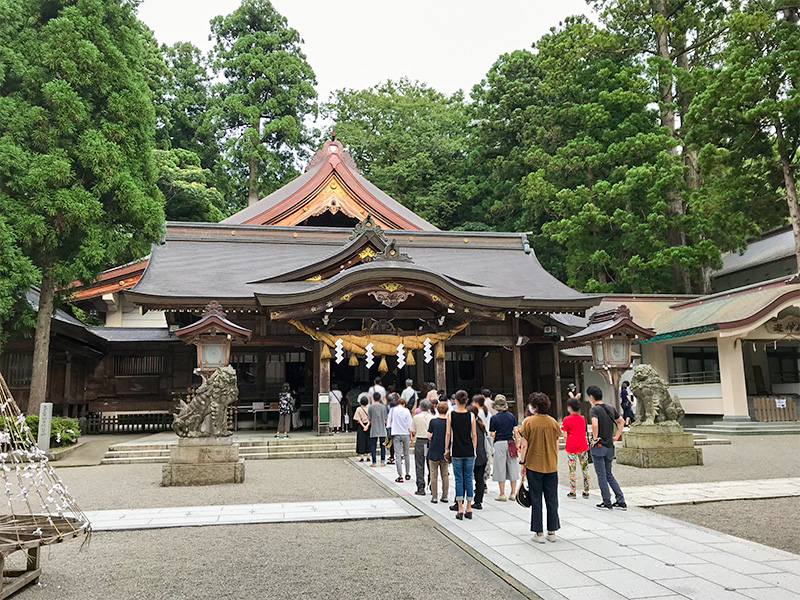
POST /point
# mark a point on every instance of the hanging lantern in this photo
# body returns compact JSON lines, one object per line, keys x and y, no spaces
{"x":383,"y":367}
{"x":326,"y":353}
{"x":353,"y":362}
{"x":410,"y":359}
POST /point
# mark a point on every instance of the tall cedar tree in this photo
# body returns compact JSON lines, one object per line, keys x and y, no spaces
{"x":675,"y":37}
{"x":749,"y":115}
{"x":267,"y":94}
{"x":185,"y":105}
{"x":410,"y":141}
{"x":77,"y":177}
{"x":600,"y":163}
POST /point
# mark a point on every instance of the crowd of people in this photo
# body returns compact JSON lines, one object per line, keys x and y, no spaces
{"x":479,"y":436}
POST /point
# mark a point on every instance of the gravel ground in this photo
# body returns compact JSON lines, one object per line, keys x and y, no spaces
{"x":266,"y":481}
{"x":748,"y":457}
{"x":318,"y":561}
{"x":769,"y":522}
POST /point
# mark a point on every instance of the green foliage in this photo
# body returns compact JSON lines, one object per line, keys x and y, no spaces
{"x":186,"y":189}
{"x":77,"y":176}
{"x":267,"y":93}
{"x":64,"y":431}
{"x":410,"y":141}
{"x":748,"y":120}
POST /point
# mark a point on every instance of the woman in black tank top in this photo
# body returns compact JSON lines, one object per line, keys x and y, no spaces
{"x":460,"y":440}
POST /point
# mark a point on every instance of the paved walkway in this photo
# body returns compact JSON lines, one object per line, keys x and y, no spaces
{"x":695,"y":493}
{"x":189,"y":516}
{"x":611,"y":555}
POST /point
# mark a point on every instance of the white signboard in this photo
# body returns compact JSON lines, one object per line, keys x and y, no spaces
{"x":780,"y":402}
{"x":258,"y":406}
{"x":45,"y":420}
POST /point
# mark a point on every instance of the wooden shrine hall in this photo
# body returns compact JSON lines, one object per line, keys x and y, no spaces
{"x":338,"y":283}
{"x":330,"y":258}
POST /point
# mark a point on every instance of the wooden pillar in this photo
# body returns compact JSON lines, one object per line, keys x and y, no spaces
{"x":423,"y":389}
{"x":441,"y":374}
{"x":557,"y":377}
{"x":322,"y":381}
{"x":519,"y":403}
{"x":732,"y":380}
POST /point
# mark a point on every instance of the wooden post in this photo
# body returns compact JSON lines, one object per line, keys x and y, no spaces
{"x":557,"y":377}
{"x":322,"y":381}
{"x":441,"y":374}
{"x":519,"y":403}
{"x":423,"y":389}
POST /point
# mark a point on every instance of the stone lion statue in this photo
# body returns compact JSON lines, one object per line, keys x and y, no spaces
{"x":654,"y":402}
{"x":212,"y":398}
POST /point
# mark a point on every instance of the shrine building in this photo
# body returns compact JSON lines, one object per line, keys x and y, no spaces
{"x":328,"y":258}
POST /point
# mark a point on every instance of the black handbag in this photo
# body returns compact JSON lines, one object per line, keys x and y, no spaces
{"x":523,"y":495}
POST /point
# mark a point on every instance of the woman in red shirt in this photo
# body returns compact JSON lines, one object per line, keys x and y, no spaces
{"x":577,"y":447}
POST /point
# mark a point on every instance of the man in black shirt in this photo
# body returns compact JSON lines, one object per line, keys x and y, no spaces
{"x":604,"y":418}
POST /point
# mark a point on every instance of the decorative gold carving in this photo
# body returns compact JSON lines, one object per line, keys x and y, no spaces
{"x":275,"y":314}
{"x":317,"y":277}
{"x":435,"y":298}
{"x":390,"y":299}
{"x":367,"y":252}
{"x":391,"y":286}
{"x":346,"y":297}
{"x":501,"y":316}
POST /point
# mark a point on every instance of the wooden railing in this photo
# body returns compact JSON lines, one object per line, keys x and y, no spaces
{"x":129,"y":423}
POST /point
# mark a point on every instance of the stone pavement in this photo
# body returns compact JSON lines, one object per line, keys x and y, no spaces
{"x":611,"y":555}
{"x":694,"y":493}
{"x":189,"y":516}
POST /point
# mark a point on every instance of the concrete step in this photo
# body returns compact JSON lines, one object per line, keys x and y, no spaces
{"x":134,"y":460}
{"x":136,"y":453}
{"x":749,"y":428}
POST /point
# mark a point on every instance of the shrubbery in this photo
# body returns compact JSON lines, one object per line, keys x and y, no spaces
{"x":64,"y":431}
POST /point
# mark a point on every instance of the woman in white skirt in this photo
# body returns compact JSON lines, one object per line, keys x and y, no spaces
{"x":503,"y":428}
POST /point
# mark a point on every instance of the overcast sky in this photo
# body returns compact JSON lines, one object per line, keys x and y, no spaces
{"x":449,"y":44}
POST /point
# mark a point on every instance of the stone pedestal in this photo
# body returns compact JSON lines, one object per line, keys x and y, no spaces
{"x":658,"y":446}
{"x":203,"y":461}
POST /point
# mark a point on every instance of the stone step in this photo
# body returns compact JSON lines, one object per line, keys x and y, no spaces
{"x":749,"y":428}
{"x":136,"y":453}
{"x":323,"y":440}
{"x":131,"y":458}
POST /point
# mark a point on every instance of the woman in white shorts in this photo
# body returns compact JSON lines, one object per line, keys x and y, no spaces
{"x":503,"y":428}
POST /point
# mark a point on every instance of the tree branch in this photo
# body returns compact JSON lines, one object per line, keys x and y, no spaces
{"x":698,"y":43}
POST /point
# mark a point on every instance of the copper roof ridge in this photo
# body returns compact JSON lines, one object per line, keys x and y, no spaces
{"x":753,"y":287}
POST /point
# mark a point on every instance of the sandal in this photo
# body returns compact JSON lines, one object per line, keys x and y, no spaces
{"x":408,"y":476}
{"x":360,"y":460}
{"x":399,"y":480}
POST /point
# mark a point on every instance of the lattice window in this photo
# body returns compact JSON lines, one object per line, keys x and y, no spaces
{"x":17,"y":368}
{"x":138,"y":365}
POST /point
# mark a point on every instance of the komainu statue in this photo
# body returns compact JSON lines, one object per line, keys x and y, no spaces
{"x":654,"y":404}
{"x":212,"y":398}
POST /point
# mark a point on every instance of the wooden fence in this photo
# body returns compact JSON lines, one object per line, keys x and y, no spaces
{"x":772,"y":409}
{"x":129,"y":423}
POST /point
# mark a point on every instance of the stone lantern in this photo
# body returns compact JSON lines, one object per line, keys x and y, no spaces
{"x":611,"y":334}
{"x":205,"y":453}
{"x":213,"y":335}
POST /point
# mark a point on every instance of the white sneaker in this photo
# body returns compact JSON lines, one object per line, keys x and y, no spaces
{"x":551,"y":537}
{"x":512,"y":498}
{"x":501,"y":498}
{"x":538,"y":539}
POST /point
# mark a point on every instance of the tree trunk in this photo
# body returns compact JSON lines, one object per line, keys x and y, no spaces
{"x":41,"y":345}
{"x":791,"y":190}
{"x":666,"y":104}
{"x":252,"y":192}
